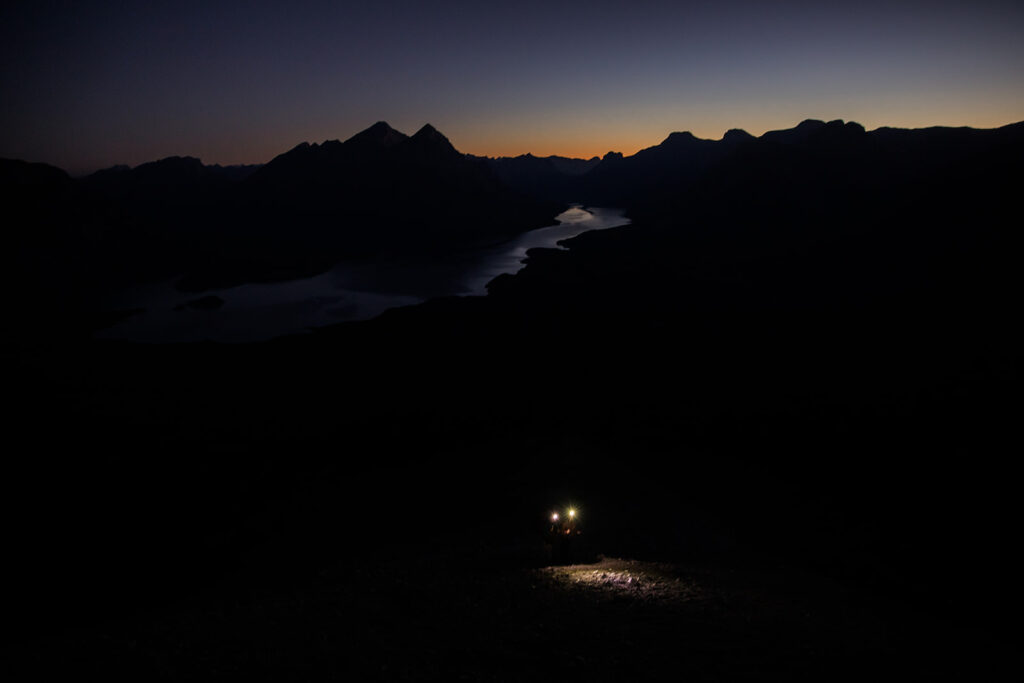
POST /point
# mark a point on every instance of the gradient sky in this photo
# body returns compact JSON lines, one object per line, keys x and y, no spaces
{"x":89,"y":84}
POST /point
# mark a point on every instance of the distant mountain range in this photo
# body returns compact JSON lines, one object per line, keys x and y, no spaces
{"x":382,"y":193}
{"x":379,"y":192}
{"x":418,"y":190}
{"x":821,"y":218}
{"x":556,"y":178}
{"x":653,"y":174}
{"x":804,"y":351}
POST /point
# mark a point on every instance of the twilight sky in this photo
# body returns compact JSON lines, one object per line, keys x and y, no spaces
{"x":85,"y":85}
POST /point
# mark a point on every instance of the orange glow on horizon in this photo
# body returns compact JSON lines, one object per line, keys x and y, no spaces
{"x":582,"y":142}
{"x":587,"y":152}
{"x":598,"y":145}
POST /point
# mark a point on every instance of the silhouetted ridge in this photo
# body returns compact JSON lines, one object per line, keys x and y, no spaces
{"x":379,"y":189}
{"x":790,"y":135}
{"x":167,"y":191}
{"x":379,"y":135}
{"x":235,"y":172}
{"x":552,"y":178}
{"x":679,"y":138}
{"x":682,"y":159}
{"x":170,"y":170}
{"x":676,"y":147}
{"x":428,"y":131}
{"x":617,"y":179}
{"x":574,"y":166}
{"x":838,"y":131}
{"x":735,"y":135}
{"x":428,"y":141}
{"x":16,"y":173}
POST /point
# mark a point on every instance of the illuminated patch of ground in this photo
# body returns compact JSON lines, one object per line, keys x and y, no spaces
{"x":423,"y":616}
{"x":617,"y":578}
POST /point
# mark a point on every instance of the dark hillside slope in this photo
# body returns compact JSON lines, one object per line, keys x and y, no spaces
{"x":380,"y":194}
{"x":553,"y":178}
{"x":805,"y":355}
{"x":834,"y":307}
{"x":679,"y":159}
{"x":382,"y":188}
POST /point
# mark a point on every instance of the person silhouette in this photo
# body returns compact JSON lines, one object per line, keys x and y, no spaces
{"x":555,"y":538}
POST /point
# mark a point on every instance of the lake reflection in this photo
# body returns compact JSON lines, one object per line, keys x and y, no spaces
{"x":350,"y":291}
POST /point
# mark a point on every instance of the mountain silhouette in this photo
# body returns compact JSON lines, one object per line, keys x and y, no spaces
{"x":815,"y":204}
{"x":618,"y":179}
{"x":18,"y":175}
{"x":803,"y":351}
{"x":378,"y":192}
{"x":431,"y":145}
{"x":171,"y":192}
{"x":554,"y":178}
{"x":572,"y":166}
{"x":378,"y":136}
{"x":737,"y":135}
{"x":381,"y":193}
{"x":790,"y":135}
{"x":382,"y":189}
{"x":166,"y":174}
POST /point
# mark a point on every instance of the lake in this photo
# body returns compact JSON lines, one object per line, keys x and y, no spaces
{"x":347,"y":292}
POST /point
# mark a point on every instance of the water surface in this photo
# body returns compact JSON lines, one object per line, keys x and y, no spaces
{"x":349,"y":291}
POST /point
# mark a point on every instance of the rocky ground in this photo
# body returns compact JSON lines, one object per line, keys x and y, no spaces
{"x":457,"y":615}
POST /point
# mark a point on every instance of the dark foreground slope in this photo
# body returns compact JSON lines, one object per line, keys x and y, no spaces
{"x":443,"y":614}
{"x":799,"y":367}
{"x":831,"y":305}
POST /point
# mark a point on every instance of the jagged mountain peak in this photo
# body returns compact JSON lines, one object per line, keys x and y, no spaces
{"x":428,"y":132}
{"x":429,"y":138}
{"x":379,"y":134}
